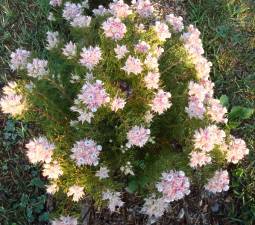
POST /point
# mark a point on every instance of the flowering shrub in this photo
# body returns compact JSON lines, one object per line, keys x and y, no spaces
{"x":125,"y":101}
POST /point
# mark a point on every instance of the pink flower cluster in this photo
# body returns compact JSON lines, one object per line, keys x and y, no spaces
{"x":40,"y":150}
{"x":93,"y":95}
{"x":151,"y":62}
{"x":81,"y":21}
{"x":52,"y":170}
{"x":121,"y":51}
{"x":162,"y":31}
{"x":142,"y":47}
{"x":236,"y":150}
{"x":70,"y":50}
{"x":90,"y":57}
{"x":77,"y":192}
{"x":133,"y":65}
{"x":174,"y":185}
{"x":65,"y":221}
{"x":206,"y":139}
{"x":19,"y":59}
{"x":71,"y":11}
{"x":219,"y":182}
{"x":100,"y":11}
{"x":120,"y":9}
{"x":114,"y":28}
{"x":161,"y":102}
{"x":52,"y":40}
{"x":114,"y":199}
{"x":38,"y":68}
{"x":176,"y":22}
{"x":55,"y":3}
{"x":117,"y":103}
{"x":144,"y":7}
{"x":138,"y":136}
{"x":216,"y":111}
{"x":86,"y":152}
{"x":198,"y":159}
{"x":152,"y":80}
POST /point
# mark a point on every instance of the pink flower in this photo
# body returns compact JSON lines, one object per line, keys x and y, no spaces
{"x":176,"y":22}
{"x":76,"y":191}
{"x":197,"y":90}
{"x":19,"y":59}
{"x":90,"y":57}
{"x":144,"y":8}
{"x":133,"y":65}
{"x":152,"y":80}
{"x":114,"y":28}
{"x":138,"y":136}
{"x":151,"y":62}
{"x":161,"y":102}
{"x":100,"y":11}
{"x":55,"y":3}
{"x":70,"y":50}
{"x":195,"y":109}
{"x":117,"y":103}
{"x":219,"y":182}
{"x":102,"y":173}
{"x":52,"y":171}
{"x":71,"y":11}
{"x":142,"y":47}
{"x":40,"y":150}
{"x":236,"y":150}
{"x":65,"y":221}
{"x":114,"y":199}
{"x":86,"y":152}
{"x":198,"y":159}
{"x":52,"y":188}
{"x":162,"y":31}
{"x":119,"y":9}
{"x":216,"y":111}
{"x":38,"y":68}
{"x":93,"y":95}
{"x":121,"y":51}
{"x":174,"y":185}
{"x":81,"y":21}
{"x":52,"y":40}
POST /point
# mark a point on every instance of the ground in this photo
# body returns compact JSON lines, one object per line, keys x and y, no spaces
{"x":228,"y":33}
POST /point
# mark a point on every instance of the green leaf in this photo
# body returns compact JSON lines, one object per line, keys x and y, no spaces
{"x":132,"y":186}
{"x":240,"y":113}
{"x":44,"y":217}
{"x":37,"y":182}
{"x":224,"y":100}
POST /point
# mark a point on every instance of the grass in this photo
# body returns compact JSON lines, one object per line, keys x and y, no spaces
{"x":228,"y":28}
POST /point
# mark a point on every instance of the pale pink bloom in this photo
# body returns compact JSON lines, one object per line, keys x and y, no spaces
{"x":12,"y":102}
{"x":219,"y":182}
{"x":152,"y":80}
{"x":51,"y":17}
{"x":205,"y":139}
{"x":195,"y":109}
{"x":236,"y":150}
{"x":133,"y":65}
{"x":52,"y":40}
{"x":40,"y":150}
{"x":176,"y":22}
{"x":93,"y":95}
{"x":102,"y":173}
{"x":138,"y":136}
{"x":151,"y":62}
{"x":84,"y":115}
{"x":216,"y":111}
{"x":114,"y":200}
{"x":174,"y":185}
{"x":65,"y":221}
{"x":148,"y":117}
{"x":161,"y":102}
{"x":70,"y":50}
{"x":117,"y":103}
{"x":52,"y":171}
{"x":38,"y":68}
{"x":121,"y":51}
{"x":198,"y":159}
{"x":71,"y":11}
{"x":76,"y":191}
{"x":19,"y":59}
{"x":154,"y":207}
{"x":142,"y":47}
{"x":162,"y":31}
{"x":144,"y":8}
{"x":120,"y":9}
{"x":127,"y":169}
{"x":158,"y":51}
{"x":203,"y":68}
{"x":197,"y":90}
{"x":114,"y":28}
{"x":52,"y":188}
{"x":81,"y":21}
{"x":55,"y":3}
{"x":208,"y":85}
{"x":90,"y":57}
{"x":86,"y":152}
{"x":100,"y":11}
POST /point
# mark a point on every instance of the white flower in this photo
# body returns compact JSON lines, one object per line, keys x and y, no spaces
{"x":81,"y":21}
{"x":76,"y":191}
{"x":19,"y":59}
{"x":52,"y":40}
{"x":52,"y":188}
{"x":70,"y":50}
{"x":121,"y":51}
{"x":38,"y":68}
{"x":102,"y":173}
{"x":117,"y":103}
{"x":114,"y":200}
{"x":52,"y":171}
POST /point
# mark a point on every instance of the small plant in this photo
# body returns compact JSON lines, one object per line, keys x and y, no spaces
{"x":125,"y":101}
